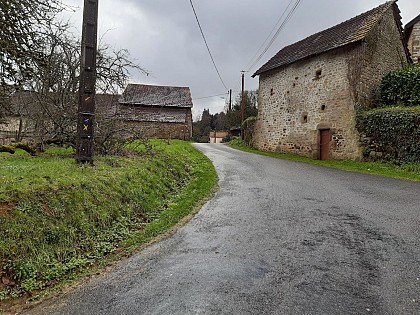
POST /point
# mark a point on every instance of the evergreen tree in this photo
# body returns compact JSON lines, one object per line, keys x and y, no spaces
{"x":225,"y":121}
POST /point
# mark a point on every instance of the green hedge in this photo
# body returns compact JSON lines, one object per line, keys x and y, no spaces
{"x":392,"y":134}
{"x":401,"y":87}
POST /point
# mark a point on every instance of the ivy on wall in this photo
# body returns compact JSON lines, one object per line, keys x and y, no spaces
{"x":391,"y":134}
{"x":401,"y":87}
{"x":248,"y":126}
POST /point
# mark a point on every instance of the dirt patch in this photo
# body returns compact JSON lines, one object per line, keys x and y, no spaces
{"x":5,"y":208}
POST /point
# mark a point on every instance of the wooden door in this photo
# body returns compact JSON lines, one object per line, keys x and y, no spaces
{"x":324,"y":144}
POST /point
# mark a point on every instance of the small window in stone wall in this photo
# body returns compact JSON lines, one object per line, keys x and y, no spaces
{"x":318,"y":74}
{"x":304,"y":118}
{"x":323,"y":107}
{"x":272,"y":91}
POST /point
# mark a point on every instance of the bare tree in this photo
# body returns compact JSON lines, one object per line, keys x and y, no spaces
{"x":22,"y":24}
{"x":56,"y":83}
{"x":39,"y":54}
{"x":113,"y":68}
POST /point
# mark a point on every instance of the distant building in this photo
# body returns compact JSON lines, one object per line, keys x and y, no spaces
{"x":235,"y":131}
{"x":157,"y":111}
{"x":309,"y":91}
{"x":412,"y":37}
{"x":106,"y":104}
{"x":17,"y":125}
{"x":217,"y":136}
{"x":151,"y":111}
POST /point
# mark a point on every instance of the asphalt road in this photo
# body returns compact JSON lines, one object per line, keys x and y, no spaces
{"x":278,"y":238}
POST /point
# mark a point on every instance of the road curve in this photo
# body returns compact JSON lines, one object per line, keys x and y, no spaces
{"x":279,"y":237}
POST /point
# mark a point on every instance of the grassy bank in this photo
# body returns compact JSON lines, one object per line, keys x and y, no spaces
{"x":407,"y":171}
{"x":58,"y":219}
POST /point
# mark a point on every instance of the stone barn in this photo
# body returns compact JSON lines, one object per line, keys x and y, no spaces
{"x":412,"y":37}
{"x":310,"y":91}
{"x":157,"y":111}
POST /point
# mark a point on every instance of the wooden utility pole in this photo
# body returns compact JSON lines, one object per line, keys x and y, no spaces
{"x":243,"y":105}
{"x":230,"y":101}
{"x":86,"y":117}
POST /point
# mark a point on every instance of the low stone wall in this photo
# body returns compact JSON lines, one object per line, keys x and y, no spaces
{"x":160,"y":130}
{"x":391,"y":134}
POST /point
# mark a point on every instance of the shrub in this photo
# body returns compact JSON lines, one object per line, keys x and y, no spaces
{"x":401,"y":87}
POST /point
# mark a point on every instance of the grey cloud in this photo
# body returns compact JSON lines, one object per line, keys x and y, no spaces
{"x":168,"y":42}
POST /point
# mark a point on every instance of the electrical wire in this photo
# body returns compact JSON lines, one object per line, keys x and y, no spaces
{"x":204,"y":97}
{"x":208,"y":49}
{"x":281,"y":27}
{"x":269,"y":35}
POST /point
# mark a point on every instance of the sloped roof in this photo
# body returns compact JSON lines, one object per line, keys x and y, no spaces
{"x":350,"y":31}
{"x":410,"y":24}
{"x":106,"y":104}
{"x":154,"y":95}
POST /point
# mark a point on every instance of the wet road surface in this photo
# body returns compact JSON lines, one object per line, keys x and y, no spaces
{"x":278,"y":238}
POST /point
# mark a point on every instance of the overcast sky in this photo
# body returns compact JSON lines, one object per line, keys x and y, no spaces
{"x":164,"y":38}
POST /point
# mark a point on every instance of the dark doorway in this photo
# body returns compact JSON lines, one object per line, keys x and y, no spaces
{"x":324,"y":144}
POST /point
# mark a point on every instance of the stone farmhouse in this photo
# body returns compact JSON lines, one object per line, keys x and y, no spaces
{"x":157,"y":111}
{"x":412,"y":37}
{"x":309,"y":91}
{"x":152,"y":111}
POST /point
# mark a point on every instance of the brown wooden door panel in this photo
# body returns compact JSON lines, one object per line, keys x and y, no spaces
{"x":324,"y":144}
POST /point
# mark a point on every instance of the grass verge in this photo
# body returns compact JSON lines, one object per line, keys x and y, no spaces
{"x":59,"y":221}
{"x":406,"y":171}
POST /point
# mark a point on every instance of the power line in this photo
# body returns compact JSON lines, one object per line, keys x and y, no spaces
{"x":208,"y":49}
{"x":204,"y":97}
{"x":269,"y":35}
{"x":286,"y":20}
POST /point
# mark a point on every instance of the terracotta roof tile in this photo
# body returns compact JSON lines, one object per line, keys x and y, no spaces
{"x":345,"y":33}
{"x":153,"y":95}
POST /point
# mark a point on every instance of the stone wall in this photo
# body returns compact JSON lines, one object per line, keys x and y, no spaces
{"x":9,"y":130}
{"x":160,"y":130}
{"x":383,"y":51}
{"x":298,"y":101}
{"x":158,"y":122}
{"x":414,"y":43}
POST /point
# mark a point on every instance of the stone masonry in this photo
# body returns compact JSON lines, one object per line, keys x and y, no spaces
{"x":157,"y":111}
{"x":157,"y":122}
{"x":413,"y":40}
{"x":299,"y":100}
